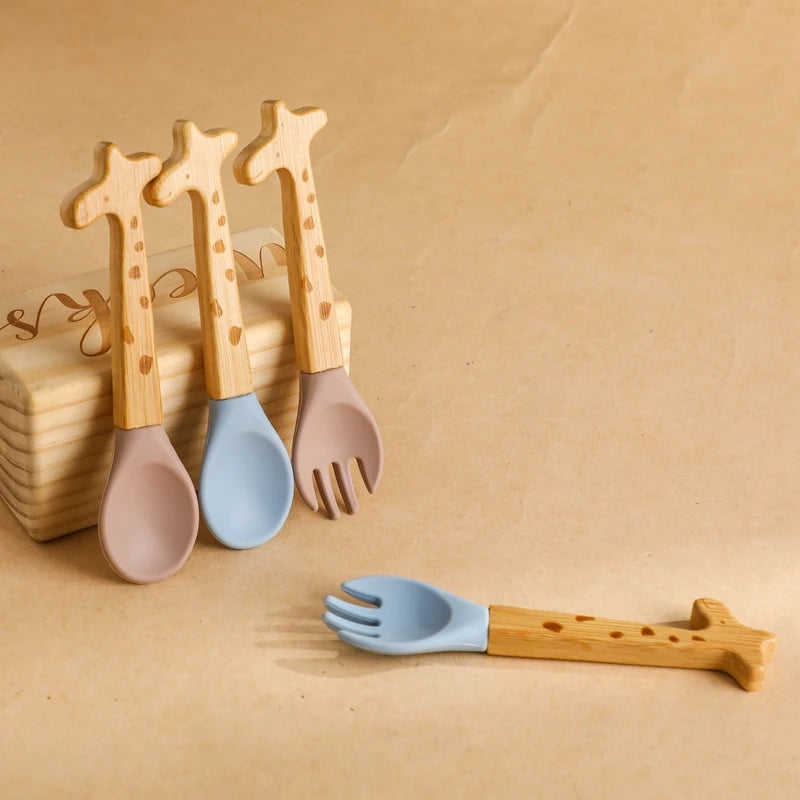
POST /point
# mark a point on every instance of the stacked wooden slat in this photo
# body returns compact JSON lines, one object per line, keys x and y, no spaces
{"x":56,"y":429}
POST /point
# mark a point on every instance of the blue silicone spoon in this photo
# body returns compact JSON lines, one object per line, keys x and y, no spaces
{"x":246,"y":483}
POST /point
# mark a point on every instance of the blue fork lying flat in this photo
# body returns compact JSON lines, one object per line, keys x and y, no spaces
{"x":405,"y":616}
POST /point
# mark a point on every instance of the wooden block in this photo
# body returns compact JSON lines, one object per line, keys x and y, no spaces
{"x":56,"y":428}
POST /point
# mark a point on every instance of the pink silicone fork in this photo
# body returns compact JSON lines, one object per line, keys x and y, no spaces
{"x":334,"y":424}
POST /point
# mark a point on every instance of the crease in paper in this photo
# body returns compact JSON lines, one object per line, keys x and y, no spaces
{"x":517,"y":99}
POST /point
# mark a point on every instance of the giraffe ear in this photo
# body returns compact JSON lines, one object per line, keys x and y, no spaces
{"x":229,"y":140}
{"x":156,"y":193}
{"x":315,"y":118}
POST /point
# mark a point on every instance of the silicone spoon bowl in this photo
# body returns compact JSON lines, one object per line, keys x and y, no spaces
{"x":148,"y":515}
{"x":246,"y":484}
{"x":409,"y":616}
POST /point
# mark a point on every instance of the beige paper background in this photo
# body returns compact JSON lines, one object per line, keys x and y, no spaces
{"x":569,"y":232}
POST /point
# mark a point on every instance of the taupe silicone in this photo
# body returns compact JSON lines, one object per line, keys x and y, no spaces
{"x":333,"y":426}
{"x":149,"y":514}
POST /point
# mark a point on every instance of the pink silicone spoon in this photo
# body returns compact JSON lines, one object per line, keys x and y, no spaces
{"x":149,"y":514}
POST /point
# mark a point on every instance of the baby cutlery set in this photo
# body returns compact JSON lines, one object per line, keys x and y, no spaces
{"x":149,"y":513}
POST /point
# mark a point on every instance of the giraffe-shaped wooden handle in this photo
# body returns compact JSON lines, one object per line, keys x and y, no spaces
{"x":194,"y":167}
{"x":283,"y":145}
{"x":114,"y":191}
{"x":716,"y":640}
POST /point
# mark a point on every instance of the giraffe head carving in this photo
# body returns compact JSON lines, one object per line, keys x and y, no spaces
{"x":194,"y":164}
{"x":268,"y":151}
{"x":113,"y":189}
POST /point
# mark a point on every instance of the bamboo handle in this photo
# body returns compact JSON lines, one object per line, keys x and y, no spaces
{"x":114,"y":190}
{"x":194,"y":167}
{"x":716,"y":640}
{"x":283,"y":145}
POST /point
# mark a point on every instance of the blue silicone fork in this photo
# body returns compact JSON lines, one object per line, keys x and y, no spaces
{"x":406,"y":616}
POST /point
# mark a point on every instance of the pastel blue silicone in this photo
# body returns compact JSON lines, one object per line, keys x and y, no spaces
{"x":407,"y":617}
{"x":246,"y":483}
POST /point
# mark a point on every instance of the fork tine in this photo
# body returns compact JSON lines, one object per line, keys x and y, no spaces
{"x":362,"y":589}
{"x":370,"y":464}
{"x":304,"y":480}
{"x":341,"y":625}
{"x":342,"y":472}
{"x":370,"y":643}
{"x":366,"y":616}
{"x":326,"y":492}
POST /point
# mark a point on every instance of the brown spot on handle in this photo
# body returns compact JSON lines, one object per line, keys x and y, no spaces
{"x":221,"y":221}
{"x":134,"y":222}
{"x":308,"y":223}
{"x":234,"y":334}
{"x":674,"y":639}
{"x":145,"y":364}
{"x":556,"y":627}
{"x":216,"y":308}
{"x":305,"y":175}
{"x":127,"y":335}
{"x":144,"y":302}
{"x":307,"y":285}
{"x":311,"y":198}
{"x":186,"y":176}
{"x":648,"y":631}
{"x":229,"y":274}
{"x":138,"y":247}
{"x":320,"y":251}
{"x":616,"y":634}
{"x":325,"y":309}
{"x":697,"y":638}
{"x":219,"y":246}
{"x":135,"y":272}
{"x":583,"y":618}
{"x":215,"y":198}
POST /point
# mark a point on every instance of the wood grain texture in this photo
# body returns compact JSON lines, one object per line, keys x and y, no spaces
{"x":715,"y":640}
{"x":114,"y":191}
{"x":283,"y":146}
{"x":56,"y":423}
{"x":194,"y":167}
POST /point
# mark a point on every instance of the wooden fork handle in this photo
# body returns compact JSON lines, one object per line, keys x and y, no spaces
{"x":715,"y":640}
{"x":283,"y":145}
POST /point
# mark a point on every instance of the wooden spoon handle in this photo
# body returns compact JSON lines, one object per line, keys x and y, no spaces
{"x":716,"y":640}
{"x":194,"y":167}
{"x":114,"y":190}
{"x":283,"y":145}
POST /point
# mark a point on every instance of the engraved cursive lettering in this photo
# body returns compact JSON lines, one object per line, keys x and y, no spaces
{"x":97,"y":310}
{"x":187,"y":286}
